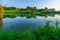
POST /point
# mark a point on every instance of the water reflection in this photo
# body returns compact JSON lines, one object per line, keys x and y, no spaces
{"x":24,"y":23}
{"x":1,"y":24}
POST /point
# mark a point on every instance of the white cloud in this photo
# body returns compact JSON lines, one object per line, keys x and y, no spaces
{"x":55,"y":4}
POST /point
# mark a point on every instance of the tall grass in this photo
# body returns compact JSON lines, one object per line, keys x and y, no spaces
{"x":46,"y":33}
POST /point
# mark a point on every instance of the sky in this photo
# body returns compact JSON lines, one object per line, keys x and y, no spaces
{"x":38,"y":3}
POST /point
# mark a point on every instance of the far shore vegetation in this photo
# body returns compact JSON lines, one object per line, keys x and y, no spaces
{"x":29,"y":11}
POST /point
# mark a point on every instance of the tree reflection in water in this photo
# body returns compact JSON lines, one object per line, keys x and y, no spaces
{"x":1,"y":22}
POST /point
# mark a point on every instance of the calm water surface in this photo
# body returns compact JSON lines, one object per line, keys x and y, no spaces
{"x":24,"y":23}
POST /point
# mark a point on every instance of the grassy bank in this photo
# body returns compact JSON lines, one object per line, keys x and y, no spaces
{"x":14,"y":13}
{"x":46,"y":33}
{"x":17,"y":12}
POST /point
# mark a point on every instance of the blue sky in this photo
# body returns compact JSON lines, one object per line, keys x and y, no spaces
{"x":38,"y":3}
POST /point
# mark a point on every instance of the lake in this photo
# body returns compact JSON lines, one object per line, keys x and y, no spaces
{"x":23,"y":23}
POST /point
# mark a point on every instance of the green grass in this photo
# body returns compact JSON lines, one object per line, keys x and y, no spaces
{"x":10,"y":12}
{"x":14,"y":13}
{"x":18,"y":13}
{"x":46,"y":33}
